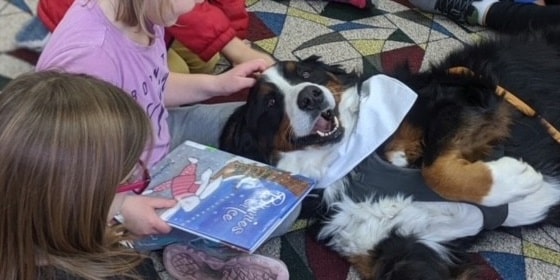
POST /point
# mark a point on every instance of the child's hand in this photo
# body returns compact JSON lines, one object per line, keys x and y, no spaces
{"x":140,"y":216}
{"x":241,"y":76}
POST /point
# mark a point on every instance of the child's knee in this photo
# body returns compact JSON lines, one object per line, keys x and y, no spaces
{"x":192,"y":61}
{"x":176,"y":63}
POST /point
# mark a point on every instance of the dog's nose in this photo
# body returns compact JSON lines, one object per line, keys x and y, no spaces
{"x":310,"y":98}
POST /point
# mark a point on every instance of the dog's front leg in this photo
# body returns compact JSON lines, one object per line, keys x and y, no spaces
{"x":489,"y":183}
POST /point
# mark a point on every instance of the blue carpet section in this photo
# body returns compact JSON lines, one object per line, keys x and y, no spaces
{"x":275,"y":22}
{"x":3,"y":81}
{"x":22,"y":5}
{"x":35,"y":30}
{"x":509,"y":266}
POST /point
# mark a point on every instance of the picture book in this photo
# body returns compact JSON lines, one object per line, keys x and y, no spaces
{"x":222,"y":197}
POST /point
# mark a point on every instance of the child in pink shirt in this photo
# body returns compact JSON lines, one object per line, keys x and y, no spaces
{"x":122,"y":42}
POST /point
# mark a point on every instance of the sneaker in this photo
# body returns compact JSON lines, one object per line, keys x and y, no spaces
{"x":253,"y":267}
{"x":186,"y":263}
{"x":458,"y":10}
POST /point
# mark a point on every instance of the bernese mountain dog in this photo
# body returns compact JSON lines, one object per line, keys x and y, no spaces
{"x":477,"y":150}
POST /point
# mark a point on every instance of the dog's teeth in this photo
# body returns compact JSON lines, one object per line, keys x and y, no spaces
{"x":336,"y":125}
{"x":323,"y":134}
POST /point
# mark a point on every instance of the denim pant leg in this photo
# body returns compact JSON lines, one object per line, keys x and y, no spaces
{"x":201,"y":123}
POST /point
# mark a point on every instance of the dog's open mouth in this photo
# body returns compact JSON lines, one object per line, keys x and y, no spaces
{"x":326,"y":130}
{"x":327,"y":124}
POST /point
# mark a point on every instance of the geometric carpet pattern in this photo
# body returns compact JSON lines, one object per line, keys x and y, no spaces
{"x":14,"y":14}
{"x":370,"y":41}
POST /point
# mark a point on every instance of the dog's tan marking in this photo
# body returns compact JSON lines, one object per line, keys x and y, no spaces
{"x":409,"y":139}
{"x":336,"y":87}
{"x":290,"y":66}
{"x":459,"y":173}
{"x":265,"y":89}
{"x":478,"y":135}
{"x":283,"y":141}
{"x":455,"y":178}
{"x":365,"y":265}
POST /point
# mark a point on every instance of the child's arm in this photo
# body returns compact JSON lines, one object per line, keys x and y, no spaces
{"x":238,"y":51}
{"x":207,"y":28}
{"x":184,"y":89}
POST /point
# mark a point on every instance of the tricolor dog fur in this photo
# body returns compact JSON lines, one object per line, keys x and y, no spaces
{"x":470,"y":146}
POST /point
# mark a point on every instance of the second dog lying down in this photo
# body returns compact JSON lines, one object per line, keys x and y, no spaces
{"x":469,"y":144}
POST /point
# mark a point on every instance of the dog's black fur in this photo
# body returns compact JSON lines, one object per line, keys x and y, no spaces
{"x":452,"y":106}
{"x":449,"y":107}
{"x":527,"y":65}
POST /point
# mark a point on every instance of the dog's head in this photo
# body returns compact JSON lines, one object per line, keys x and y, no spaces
{"x":293,"y":105}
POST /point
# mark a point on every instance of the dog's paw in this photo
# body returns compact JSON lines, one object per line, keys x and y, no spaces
{"x":397,"y":158}
{"x":512,"y":180}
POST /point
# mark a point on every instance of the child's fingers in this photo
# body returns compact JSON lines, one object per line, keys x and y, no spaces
{"x":161,"y":227}
{"x":162,"y":203}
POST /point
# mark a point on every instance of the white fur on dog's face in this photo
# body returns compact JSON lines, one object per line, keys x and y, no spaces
{"x":302,"y":122}
{"x":315,"y":161}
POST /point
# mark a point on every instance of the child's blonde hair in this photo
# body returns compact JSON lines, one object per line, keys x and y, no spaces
{"x":133,"y":13}
{"x":66,"y":143}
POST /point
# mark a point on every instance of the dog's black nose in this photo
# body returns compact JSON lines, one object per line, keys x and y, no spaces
{"x":310,"y":98}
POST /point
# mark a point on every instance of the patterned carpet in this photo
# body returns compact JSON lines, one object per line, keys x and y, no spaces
{"x":370,"y":41}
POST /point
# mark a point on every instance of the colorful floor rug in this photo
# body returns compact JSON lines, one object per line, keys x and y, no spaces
{"x":370,"y":41}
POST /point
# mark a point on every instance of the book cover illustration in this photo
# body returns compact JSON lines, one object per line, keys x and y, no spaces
{"x":226,"y":198}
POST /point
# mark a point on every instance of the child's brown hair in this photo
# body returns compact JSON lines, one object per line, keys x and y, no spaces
{"x":66,"y":143}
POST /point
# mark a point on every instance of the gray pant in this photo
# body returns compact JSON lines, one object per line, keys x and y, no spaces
{"x":203,"y":123}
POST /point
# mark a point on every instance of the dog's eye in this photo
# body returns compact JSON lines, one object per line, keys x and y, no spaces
{"x":271,"y":102}
{"x":305,"y":74}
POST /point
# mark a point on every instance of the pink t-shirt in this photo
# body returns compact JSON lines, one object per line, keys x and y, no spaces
{"x":86,"y":42}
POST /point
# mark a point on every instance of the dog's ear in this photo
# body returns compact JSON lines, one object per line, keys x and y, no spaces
{"x":347,"y":78}
{"x":244,"y":144}
{"x":237,"y":138}
{"x":234,"y":137}
{"x":312,"y":59}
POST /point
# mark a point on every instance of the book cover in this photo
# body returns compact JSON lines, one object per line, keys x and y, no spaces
{"x":223,"y":197}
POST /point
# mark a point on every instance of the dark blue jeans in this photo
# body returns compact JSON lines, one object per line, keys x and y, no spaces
{"x":509,"y":17}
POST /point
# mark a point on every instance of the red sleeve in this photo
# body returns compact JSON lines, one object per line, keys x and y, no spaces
{"x":51,"y":12}
{"x":207,"y":29}
{"x":236,"y":12}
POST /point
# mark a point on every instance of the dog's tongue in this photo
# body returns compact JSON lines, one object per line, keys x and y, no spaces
{"x":322,"y":125}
